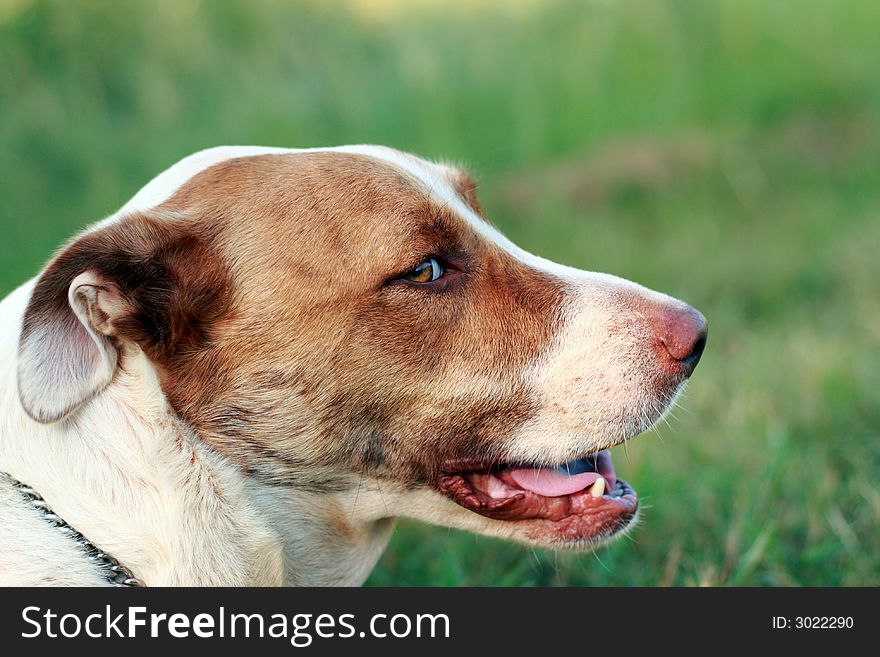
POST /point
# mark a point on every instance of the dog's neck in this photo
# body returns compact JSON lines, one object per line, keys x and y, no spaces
{"x":138,"y":482}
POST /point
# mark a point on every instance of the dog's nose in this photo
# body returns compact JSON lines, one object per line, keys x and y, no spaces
{"x":683,"y":330}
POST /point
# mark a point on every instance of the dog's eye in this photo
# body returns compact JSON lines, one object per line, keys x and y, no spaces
{"x":427,"y":272}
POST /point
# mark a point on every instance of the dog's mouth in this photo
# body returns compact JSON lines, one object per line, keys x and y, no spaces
{"x":572,"y":504}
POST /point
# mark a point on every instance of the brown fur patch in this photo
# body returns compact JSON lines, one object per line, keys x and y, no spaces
{"x":169,"y":273}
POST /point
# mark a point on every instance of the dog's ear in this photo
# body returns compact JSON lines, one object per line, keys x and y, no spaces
{"x":141,"y":280}
{"x":66,"y":355}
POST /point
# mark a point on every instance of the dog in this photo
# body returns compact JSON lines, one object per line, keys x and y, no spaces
{"x":265,"y":357}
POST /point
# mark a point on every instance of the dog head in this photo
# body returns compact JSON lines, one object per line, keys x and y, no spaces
{"x":328,"y":317}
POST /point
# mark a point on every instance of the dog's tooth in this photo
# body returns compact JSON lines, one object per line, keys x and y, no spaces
{"x":598,"y":489}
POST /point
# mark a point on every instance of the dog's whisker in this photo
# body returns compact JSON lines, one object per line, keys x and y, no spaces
{"x":382,"y":497}
{"x":540,"y":566}
{"x":358,"y":493}
{"x":596,"y":556}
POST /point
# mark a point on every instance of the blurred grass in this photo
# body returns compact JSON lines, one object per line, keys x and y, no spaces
{"x":726,"y":152}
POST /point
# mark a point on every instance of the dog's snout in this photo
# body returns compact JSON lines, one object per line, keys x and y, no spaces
{"x":682,"y":331}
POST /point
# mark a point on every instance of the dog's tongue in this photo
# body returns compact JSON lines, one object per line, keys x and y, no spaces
{"x":553,"y":482}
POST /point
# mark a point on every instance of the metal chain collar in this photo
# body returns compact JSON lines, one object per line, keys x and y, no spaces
{"x":116,"y":573}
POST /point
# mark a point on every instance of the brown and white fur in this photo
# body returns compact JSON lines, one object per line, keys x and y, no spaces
{"x":231,"y":381}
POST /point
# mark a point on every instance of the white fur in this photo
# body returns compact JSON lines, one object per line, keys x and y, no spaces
{"x":35,"y":552}
{"x":132,"y":478}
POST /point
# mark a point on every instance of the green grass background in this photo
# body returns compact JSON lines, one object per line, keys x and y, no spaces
{"x":726,"y":152}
